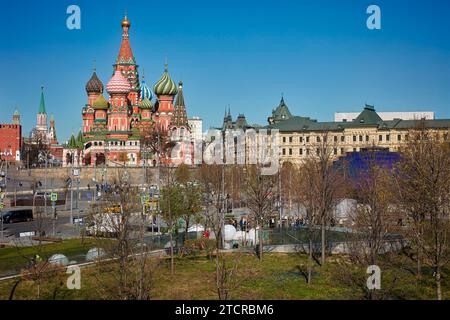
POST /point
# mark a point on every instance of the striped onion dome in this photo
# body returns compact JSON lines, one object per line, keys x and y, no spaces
{"x":146,"y":104}
{"x":145,"y":91}
{"x":118,"y":84}
{"x":165,"y":86}
{"x":100,"y":103}
{"x":94,"y":84}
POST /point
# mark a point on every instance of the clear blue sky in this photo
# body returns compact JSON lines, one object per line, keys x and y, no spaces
{"x":239,"y":53}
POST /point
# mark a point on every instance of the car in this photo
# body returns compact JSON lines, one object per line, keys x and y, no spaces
{"x":42,"y":194}
{"x":14,"y":216}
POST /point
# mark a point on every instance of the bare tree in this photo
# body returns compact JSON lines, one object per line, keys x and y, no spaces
{"x":34,"y":149}
{"x":424,"y":194}
{"x":213,"y":180}
{"x":326,"y":183}
{"x":374,"y":221}
{"x":171,"y":205}
{"x":191,"y":192}
{"x":259,"y":192}
{"x":112,"y":223}
{"x":306,"y":197}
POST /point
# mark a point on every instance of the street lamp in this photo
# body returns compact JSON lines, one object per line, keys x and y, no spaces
{"x":1,"y":199}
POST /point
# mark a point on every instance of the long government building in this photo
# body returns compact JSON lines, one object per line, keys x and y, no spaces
{"x":301,"y":136}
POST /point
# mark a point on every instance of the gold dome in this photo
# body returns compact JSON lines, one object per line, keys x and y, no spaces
{"x":126,"y":22}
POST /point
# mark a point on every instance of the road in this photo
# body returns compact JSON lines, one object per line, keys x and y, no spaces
{"x":63,"y":228}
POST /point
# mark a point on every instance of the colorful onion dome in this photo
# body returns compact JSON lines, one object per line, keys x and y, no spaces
{"x":100,"y":103}
{"x":94,"y":85}
{"x":146,"y":104}
{"x":118,"y":84}
{"x":165,"y":86}
{"x":145,"y":91}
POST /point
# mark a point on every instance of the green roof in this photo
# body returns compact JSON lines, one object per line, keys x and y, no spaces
{"x":42,"y":104}
{"x":72,"y":143}
{"x":367,"y":118}
{"x":80,"y":140}
{"x":100,"y":103}
{"x":281,"y":112}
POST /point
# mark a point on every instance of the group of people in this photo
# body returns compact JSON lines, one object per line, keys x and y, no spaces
{"x":243,"y":224}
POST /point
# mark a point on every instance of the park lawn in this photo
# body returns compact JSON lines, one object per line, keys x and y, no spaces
{"x":276,"y":277}
{"x":15,"y":258}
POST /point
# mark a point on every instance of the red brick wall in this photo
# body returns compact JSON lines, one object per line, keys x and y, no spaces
{"x":10,"y":141}
{"x":57,"y":152}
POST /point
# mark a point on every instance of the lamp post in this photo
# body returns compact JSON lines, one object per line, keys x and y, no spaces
{"x":45,"y":182}
{"x":222,"y":216}
{"x":6,"y":184}
{"x":71,"y":190}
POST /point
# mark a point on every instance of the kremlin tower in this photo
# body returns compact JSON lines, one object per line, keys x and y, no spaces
{"x":113,"y":127}
{"x":41,"y":118}
{"x":43,"y":132}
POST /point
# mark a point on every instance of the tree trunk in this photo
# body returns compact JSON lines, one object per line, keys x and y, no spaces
{"x":171,"y":251}
{"x":419,"y":262}
{"x":438,"y":283}
{"x":219,"y":292}
{"x":310,"y":259}
{"x":260,"y":235}
{"x":323,"y":241}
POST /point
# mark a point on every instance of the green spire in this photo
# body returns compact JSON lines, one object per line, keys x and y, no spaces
{"x":72,"y":142}
{"x":80,"y":140}
{"x":42,"y":104}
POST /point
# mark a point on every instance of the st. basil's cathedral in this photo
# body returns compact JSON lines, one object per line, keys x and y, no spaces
{"x":112,"y":128}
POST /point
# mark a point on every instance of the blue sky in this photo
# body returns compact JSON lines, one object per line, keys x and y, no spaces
{"x":239,"y":53}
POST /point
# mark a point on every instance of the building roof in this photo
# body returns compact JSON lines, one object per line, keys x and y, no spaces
{"x":118,"y":84}
{"x":179,"y":115}
{"x":94,"y":85}
{"x":125,"y":54}
{"x":145,"y":91}
{"x":146,"y":104}
{"x":281,"y":112}
{"x":367,"y":118}
{"x":165,"y":86}
{"x":72,"y":142}
{"x":80,"y":140}
{"x":42,"y":103}
{"x":100,"y":103}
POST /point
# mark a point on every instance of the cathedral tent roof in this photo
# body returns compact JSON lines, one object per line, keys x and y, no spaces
{"x":179,"y":114}
{"x":42,"y":103}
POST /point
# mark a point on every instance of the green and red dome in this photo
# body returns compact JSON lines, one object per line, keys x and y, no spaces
{"x":94,"y":84}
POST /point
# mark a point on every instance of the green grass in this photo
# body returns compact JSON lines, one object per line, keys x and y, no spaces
{"x":13,"y":259}
{"x":278,"y":276}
